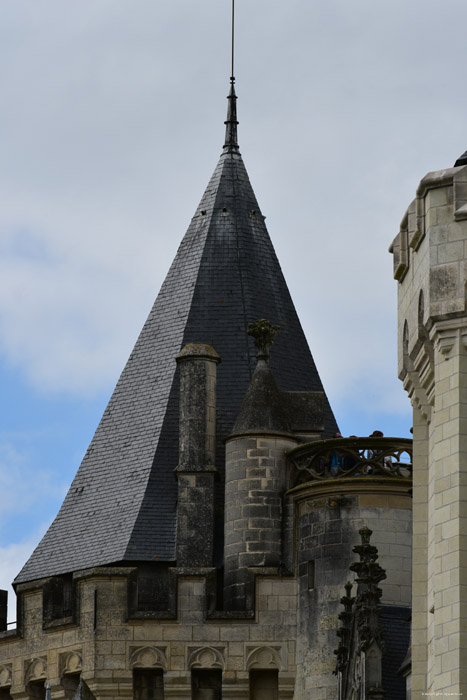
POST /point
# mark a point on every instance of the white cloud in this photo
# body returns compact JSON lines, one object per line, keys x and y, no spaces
{"x":112,"y":123}
{"x":13,"y":558}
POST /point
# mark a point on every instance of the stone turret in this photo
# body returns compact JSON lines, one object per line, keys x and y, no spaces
{"x":256,"y":477}
{"x":338,"y":486}
{"x":430,"y":266}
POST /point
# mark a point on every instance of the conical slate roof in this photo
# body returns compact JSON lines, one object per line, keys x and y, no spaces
{"x":121,"y":505}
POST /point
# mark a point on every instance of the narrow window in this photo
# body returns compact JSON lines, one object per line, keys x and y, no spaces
{"x":405,"y":346}
{"x":206,"y":684}
{"x":311,"y":574}
{"x":148,"y":684}
{"x":264,"y":685}
{"x":57,"y":596}
{"x":70,"y":683}
{"x":36,"y":690}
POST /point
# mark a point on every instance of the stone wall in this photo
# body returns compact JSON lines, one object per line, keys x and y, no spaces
{"x":104,"y":645}
{"x":430,"y":264}
{"x":256,"y":480}
{"x":329,"y":518}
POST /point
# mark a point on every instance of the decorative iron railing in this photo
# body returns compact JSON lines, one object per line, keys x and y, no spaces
{"x":352,"y":457}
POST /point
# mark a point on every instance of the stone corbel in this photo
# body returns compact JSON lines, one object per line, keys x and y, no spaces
{"x":450,"y":335}
{"x":446,"y":344}
{"x":417,"y":395}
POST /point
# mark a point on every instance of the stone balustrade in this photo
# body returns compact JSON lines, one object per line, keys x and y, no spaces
{"x":345,"y":458}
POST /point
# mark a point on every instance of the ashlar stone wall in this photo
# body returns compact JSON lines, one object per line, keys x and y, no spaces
{"x":329,"y":517}
{"x":430,"y":264}
{"x":104,"y":645}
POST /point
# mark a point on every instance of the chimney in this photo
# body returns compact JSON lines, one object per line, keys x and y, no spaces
{"x":196,"y":469}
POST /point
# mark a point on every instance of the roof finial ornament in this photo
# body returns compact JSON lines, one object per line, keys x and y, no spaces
{"x":232,"y":72}
{"x":231,"y":143}
{"x":263,"y":333}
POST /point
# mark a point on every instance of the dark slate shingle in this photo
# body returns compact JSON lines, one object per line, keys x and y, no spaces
{"x":395,"y":623}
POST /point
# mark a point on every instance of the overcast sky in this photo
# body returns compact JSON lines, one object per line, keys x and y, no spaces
{"x":110,"y":127}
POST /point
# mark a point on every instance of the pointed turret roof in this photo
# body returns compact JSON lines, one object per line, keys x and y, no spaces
{"x":121,"y":505}
{"x":462,"y":160}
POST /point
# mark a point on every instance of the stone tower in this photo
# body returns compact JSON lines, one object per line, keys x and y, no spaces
{"x":430,"y":266}
{"x":205,"y":542}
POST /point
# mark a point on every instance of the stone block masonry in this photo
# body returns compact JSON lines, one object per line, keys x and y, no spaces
{"x":256,"y":474}
{"x":105,"y":645}
{"x":197,"y":455}
{"x":430,"y":264}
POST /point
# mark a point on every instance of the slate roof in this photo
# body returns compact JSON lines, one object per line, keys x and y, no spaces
{"x":263,"y":407}
{"x":121,"y":505}
{"x":462,"y":160}
{"x":395,"y":623}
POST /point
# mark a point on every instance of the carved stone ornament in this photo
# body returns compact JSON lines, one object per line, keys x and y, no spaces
{"x":35,"y":670}
{"x":263,"y":333}
{"x":148,"y":657}
{"x":71,"y":662}
{"x":206,"y":657}
{"x":264,"y":658}
{"x":5,"y":676}
{"x":361,"y":644}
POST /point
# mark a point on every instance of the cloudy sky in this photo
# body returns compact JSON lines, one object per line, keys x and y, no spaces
{"x":111,"y":124}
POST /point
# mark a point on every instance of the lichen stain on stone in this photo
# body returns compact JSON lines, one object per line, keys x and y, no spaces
{"x":443,"y":282}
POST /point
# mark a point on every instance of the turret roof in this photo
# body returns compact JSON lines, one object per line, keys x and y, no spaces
{"x":121,"y":505}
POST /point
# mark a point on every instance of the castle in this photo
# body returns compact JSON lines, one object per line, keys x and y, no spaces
{"x":205,"y":546}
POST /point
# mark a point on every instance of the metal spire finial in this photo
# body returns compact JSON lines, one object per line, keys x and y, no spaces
{"x":231,"y":143}
{"x":232,"y":73}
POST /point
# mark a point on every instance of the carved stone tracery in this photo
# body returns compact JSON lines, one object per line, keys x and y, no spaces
{"x":148,"y":657}
{"x":206,"y":657}
{"x":361,"y":644}
{"x":352,"y":457}
{"x":264,"y":658}
{"x":71,"y":662}
{"x":36,"y":670}
{"x":5,"y":675}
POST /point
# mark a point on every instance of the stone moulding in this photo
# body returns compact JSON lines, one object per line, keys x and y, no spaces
{"x":5,"y":675}
{"x":148,"y":657}
{"x":265,"y":657}
{"x":35,"y":670}
{"x":206,"y":657}
{"x":71,"y":662}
